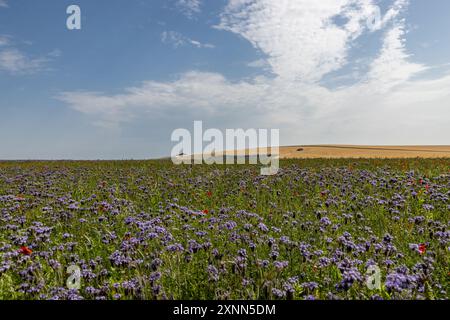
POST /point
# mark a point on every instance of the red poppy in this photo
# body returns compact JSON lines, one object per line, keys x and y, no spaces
{"x":420,"y":181}
{"x":205,"y":211}
{"x":25,"y":250}
{"x":427,"y":187}
{"x":422,"y":248}
{"x":209,"y":194}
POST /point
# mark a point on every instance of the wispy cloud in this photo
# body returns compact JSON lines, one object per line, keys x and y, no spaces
{"x":3,"y":4}
{"x":260,"y":63}
{"x":17,"y":62}
{"x":392,"y":66}
{"x":299,"y":37}
{"x":189,"y":7}
{"x":176,"y":40}
{"x":4,"y":40}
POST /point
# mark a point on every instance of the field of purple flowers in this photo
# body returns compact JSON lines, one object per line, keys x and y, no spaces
{"x":152,"y":230}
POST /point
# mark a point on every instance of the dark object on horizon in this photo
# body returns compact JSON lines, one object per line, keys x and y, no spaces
{"x":300,"y":149}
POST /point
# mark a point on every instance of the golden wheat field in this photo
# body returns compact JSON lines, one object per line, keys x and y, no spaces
{"x":357,"y":151}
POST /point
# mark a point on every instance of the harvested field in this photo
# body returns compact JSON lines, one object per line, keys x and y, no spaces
{"x":356,"y":151}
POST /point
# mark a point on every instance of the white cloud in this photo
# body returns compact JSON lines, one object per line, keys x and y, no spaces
{"x":16,"y":62}
{"x":189,"y":7}
{"x":306,"y":113}
{"x":260,"y":63}
{"x":194,"y":91}
{"x":55,"y":53}
{"x":3,"y":4}
{"x":299,"y":37}
{"x":201,"y":45}
{"x":392,"y":66}
{"x":176,"y":40}
{"x":4,"y":40}
{"x":388,"y":105}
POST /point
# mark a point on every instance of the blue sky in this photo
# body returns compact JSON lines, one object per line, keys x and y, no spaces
{"x":138,"y":69}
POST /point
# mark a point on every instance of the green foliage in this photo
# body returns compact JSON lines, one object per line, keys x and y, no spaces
{"x":139,"y":209}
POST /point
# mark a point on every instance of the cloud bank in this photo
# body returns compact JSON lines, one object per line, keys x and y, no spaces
{"x":303,"y":42}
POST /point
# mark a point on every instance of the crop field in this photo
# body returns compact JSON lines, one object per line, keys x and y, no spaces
{"x":153,"y":230}
{"x":356,"y":151}
{"x":353,"y":151}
